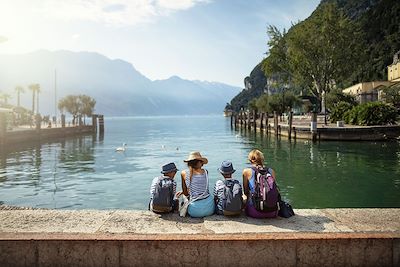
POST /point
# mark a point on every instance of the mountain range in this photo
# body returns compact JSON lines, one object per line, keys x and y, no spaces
{"x":118,"y":88}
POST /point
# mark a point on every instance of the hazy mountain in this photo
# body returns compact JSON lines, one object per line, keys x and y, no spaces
{"x":117,"y":86}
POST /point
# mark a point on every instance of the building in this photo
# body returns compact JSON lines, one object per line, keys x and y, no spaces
{"x":367,"y":91}
{"x":394,"y":68}
{"x":373,"y":91}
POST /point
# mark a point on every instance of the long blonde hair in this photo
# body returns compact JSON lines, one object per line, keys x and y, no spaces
{"x":256,"y":157}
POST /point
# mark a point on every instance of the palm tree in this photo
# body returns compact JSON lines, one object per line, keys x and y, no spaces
{"x":5,"y":97}
{"x":34,"y":88}
{"x":37,"y":99}
{"x":19,"y":90}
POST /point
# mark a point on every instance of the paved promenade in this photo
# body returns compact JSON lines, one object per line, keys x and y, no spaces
{"x":314,"y":237}
{"x":145,"y":222}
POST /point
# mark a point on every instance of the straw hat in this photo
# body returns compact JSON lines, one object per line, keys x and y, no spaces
{"x":196,"y":155}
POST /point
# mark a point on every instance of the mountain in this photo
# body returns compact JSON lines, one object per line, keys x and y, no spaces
{"x":255,"y":84}
{"x":117,"y":86}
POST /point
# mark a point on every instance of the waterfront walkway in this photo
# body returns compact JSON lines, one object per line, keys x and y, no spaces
{"x":314,"y":237}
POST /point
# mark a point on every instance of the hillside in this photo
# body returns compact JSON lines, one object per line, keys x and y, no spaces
{"x":119,"y":89}
{"x":379,"y":24}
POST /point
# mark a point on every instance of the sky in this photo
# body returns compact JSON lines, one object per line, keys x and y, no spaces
{"x":211,"y":40}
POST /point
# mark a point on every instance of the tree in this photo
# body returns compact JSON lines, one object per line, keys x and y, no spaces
{"x":69,"y":104}
{"x":323,"y":49}
{"x":391,"y":95}
{"x":5,"y":97}
{"x":277,"y":63}
{"x":77,"y":105}
{"x":262,"y":103}
{"x":335,"y":96}
{"x":34,"y":88}
{"x":19,"y":90}
{"x":86,"y":105}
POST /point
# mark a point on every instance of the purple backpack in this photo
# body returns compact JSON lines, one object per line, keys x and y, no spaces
{"x":265,"y":195}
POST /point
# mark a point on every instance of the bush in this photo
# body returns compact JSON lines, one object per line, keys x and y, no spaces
{"x":339,"y":110}
{"x":374,"y":113}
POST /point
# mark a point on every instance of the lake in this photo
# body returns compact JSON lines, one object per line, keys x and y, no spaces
{"x":86,"y":173}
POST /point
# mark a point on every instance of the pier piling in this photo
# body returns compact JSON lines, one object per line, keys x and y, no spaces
{"x":101,"y":124}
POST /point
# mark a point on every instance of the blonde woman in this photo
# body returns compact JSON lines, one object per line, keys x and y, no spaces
{"x":255,"y":179}
{"x":195,"y":186}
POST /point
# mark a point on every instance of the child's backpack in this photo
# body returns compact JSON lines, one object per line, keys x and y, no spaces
{"x":232,"y":198}
{"x":265,"y":196}
{"x":163,"y":195}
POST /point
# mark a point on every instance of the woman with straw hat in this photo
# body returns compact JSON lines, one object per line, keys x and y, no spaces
{"x":195,"y":186}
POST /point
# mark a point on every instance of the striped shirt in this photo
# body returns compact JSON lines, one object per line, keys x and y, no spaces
{"x":198,"y":185}
{"x":219,"y":192}
{"x":154,"y":183}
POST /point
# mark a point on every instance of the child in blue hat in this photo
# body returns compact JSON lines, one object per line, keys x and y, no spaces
{"x":163,"y":190}
{"x":228,"y":192}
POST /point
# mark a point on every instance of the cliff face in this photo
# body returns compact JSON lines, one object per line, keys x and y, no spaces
{"x":379,"y":24}
{"x":254,"y":87}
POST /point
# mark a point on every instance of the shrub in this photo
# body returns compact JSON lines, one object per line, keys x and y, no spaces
{"x":339,"y":110}
{"x":374,"y":113}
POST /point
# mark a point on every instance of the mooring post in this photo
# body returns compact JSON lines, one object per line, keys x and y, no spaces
{"x":3,"y":128}
{"x":245,"y":119}
{"x":235,"y":120}
{"x":38,"y":121}
{"x":101,"y":124}
{"x":94,"y":123}
{"x":248,"y":119}
{"x":255,"y":120}
{"x":290,"y":124}
{"x":313,"y":126}
{"x":62,"y":121}
{"x":276,"y":123}
{"x":267,"y":122}
{"x":262,"y":121}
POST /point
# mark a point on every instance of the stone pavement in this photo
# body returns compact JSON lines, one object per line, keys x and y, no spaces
{"x":145,"y":222}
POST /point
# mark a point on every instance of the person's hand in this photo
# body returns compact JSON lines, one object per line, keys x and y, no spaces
{"x":178,"y":194}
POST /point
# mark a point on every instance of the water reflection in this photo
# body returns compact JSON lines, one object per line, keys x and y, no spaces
{"x":86,"y":172}
{"x":333,"y":174}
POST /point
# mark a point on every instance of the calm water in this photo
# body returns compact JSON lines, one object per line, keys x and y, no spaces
{"x":86,"y":172}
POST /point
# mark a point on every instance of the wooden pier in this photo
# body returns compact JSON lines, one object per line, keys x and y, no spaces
{"x":311,"y":127}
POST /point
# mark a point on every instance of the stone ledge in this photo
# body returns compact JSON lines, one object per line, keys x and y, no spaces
{"x":145,"y":222}
{"x":327,"y":237}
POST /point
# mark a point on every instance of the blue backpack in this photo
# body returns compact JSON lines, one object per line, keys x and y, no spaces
{"x":163,"y":195}
{"x":232,"y":198}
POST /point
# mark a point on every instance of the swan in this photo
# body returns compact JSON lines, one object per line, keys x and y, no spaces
{"x":121,"y":149}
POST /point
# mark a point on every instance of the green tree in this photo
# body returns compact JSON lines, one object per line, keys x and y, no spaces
{"x":77,"y":105}
{"x":262,"y":103}
{"x":86,"y":105}
{"x":69,"y":104}
{"x":19,"y":90}
{"x":323,"y":49}
{"x":391,"y":95}
{"x":335,"y":96}
{"x":4,"y":97}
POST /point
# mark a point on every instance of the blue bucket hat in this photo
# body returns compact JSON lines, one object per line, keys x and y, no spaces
{"x":170,"y":167}
{"x":226,"y":167}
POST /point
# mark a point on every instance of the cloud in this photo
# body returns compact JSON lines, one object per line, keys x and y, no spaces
{"x":111,"y":12}
{"x":3,"y":39}
{"x":114,"y":8}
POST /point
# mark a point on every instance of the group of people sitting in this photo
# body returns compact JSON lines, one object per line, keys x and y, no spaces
{"x":259,"y":195}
